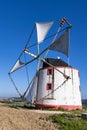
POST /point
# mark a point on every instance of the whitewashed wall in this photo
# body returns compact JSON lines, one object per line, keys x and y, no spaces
{"x":68,"y":94}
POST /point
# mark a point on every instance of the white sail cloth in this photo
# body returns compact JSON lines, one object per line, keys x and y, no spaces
{"x":42,"y":30}
{"x":17,"y":65}
{"x":31,"y":95}
{"x":61,"y":44}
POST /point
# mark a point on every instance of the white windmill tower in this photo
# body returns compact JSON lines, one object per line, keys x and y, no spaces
{"x":56,"y":89}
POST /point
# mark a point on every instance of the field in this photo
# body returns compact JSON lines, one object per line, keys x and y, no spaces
{"x":21,"y":116}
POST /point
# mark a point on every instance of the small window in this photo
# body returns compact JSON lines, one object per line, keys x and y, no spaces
{"x":49,"y":72}
{"x":49,"y":86}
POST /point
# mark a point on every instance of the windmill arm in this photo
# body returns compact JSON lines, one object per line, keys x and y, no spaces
{"x":35,"y":57}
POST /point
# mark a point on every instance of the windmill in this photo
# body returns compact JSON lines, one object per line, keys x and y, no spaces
{"x":54,"y":82}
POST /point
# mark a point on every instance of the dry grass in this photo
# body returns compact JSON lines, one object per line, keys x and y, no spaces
{"x":24,"y":119}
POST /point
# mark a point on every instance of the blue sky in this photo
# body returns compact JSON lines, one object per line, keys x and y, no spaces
{"x":17,"y":18}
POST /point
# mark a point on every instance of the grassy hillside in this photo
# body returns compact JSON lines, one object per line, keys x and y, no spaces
{"x":70,"y":121}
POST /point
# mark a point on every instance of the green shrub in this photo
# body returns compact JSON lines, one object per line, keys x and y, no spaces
{"x":69,"y":122}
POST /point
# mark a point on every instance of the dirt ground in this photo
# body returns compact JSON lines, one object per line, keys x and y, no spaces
{"x":24,"y":119}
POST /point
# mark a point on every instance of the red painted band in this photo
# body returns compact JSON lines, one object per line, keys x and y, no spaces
{"x":68,"y":107}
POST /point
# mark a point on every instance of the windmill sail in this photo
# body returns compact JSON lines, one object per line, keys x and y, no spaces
{"x":30,"y":97}
{"x":42,"y":30}
{"x":61,"y":44}
{"x":18,"y":65}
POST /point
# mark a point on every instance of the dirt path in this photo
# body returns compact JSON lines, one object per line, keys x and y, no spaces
{"x":21,"y":119}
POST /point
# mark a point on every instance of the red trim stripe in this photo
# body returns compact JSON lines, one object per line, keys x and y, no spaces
{"x":68,"y":107}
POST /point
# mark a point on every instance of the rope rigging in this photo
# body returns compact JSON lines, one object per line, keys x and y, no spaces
{"x":15,"y":86}
{"x":35,"y":44}
{"x":37,"y":57}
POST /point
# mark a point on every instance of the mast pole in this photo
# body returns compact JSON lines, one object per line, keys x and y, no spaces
{"x":53,"y":40}
{"x":68,"y":50}
{"x":38,"y":49}
{"x":58,"y":30}
{"x":69,"y":26}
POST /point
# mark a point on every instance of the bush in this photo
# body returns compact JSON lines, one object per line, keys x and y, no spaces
{"x":69,"y":122}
